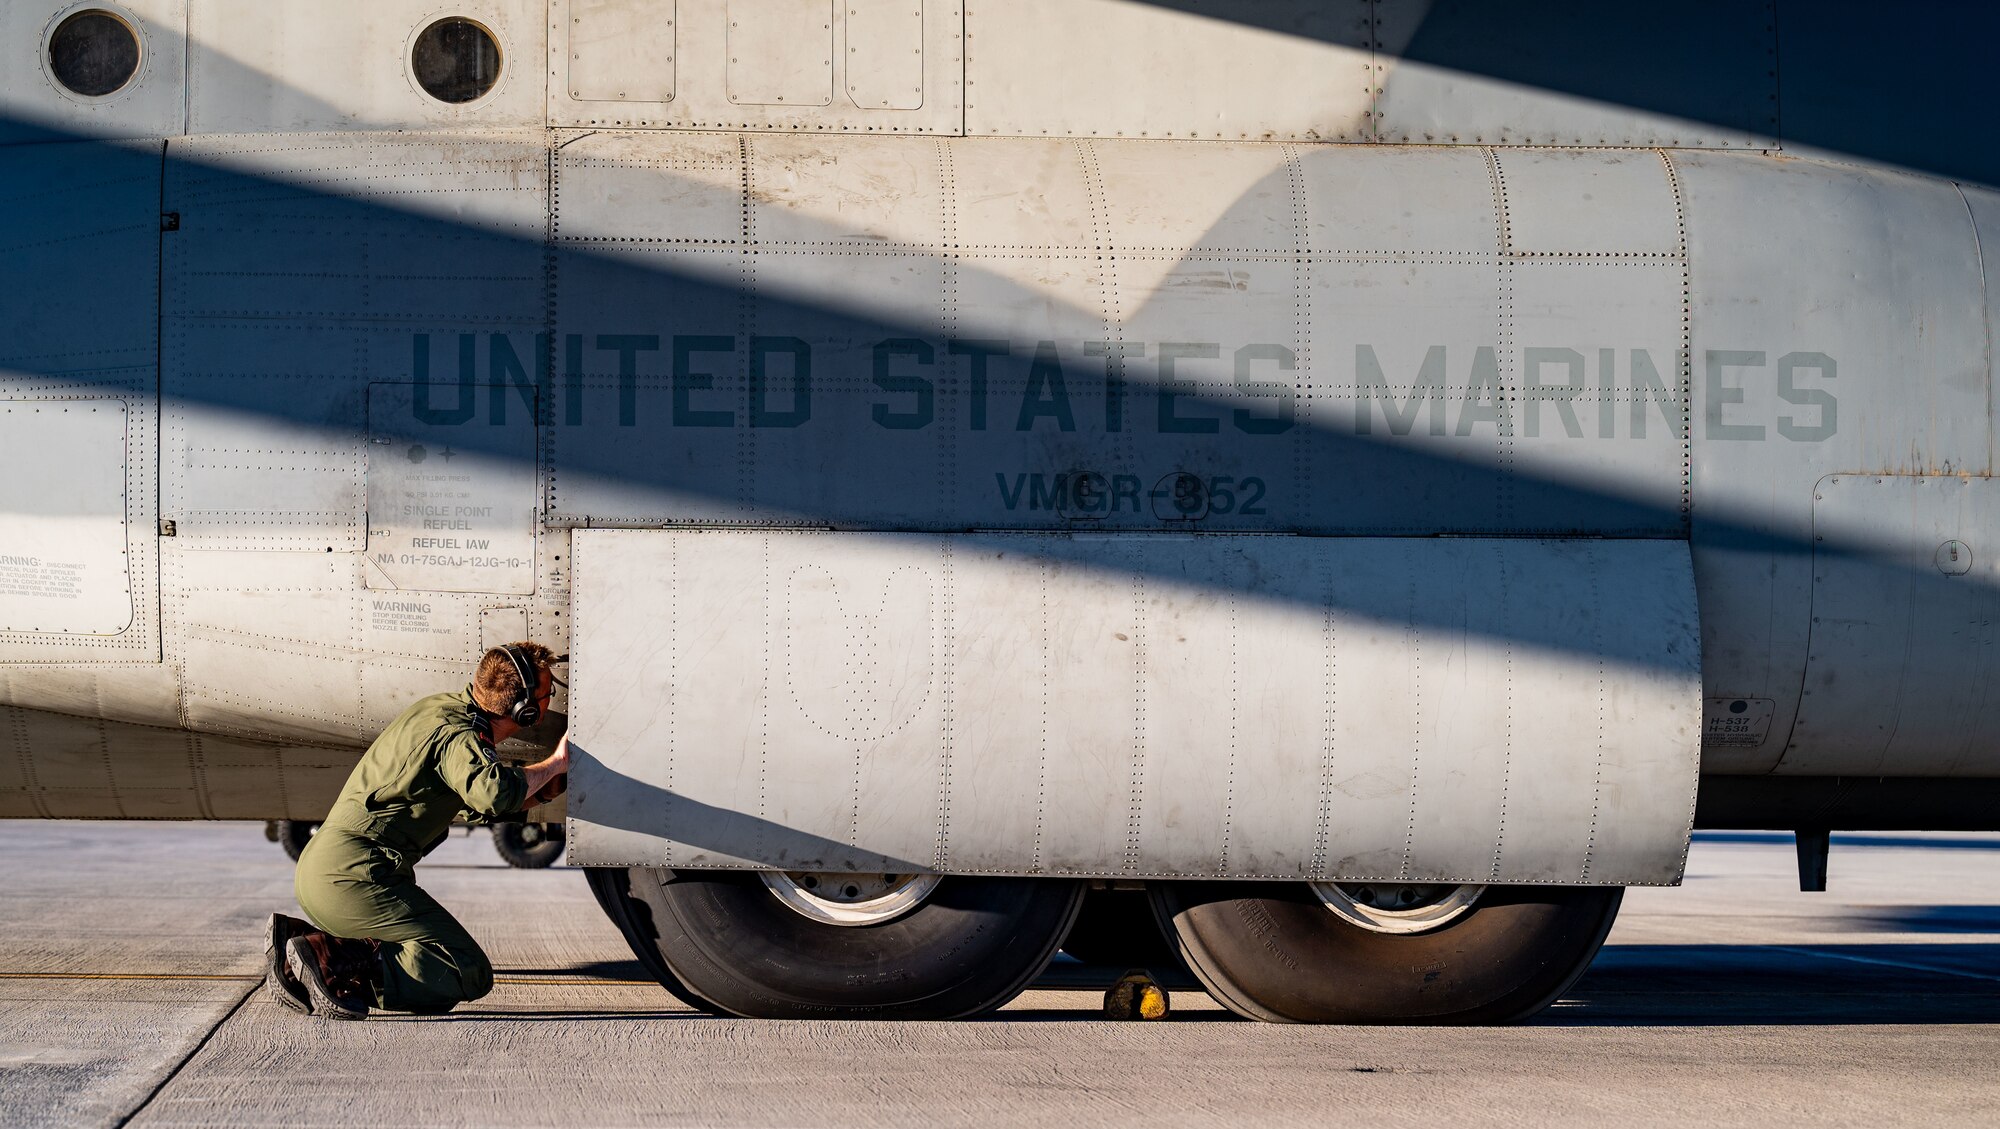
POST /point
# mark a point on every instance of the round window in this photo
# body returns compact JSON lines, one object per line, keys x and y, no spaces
{"x":94,"y":53}
{"x":455,"y":60}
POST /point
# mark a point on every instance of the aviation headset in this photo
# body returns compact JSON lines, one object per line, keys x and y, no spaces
{"x":526,"y":708}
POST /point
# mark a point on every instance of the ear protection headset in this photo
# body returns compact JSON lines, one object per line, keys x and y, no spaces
{"x":527,"y":707}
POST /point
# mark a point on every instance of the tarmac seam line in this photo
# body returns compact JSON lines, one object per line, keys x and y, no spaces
{"x":188,"y":1057}
{"x":1887,"y":963}
{"x":196,"y":976}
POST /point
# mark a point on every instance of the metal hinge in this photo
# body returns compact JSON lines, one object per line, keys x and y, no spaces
{"x":170,"y":221}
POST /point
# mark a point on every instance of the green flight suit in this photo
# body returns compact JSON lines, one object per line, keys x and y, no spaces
{"x":356,"y":876}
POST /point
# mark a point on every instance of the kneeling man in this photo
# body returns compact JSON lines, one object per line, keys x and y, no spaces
{"x":377,"y":939}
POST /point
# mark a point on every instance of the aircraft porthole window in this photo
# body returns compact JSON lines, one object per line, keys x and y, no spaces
{"x":94,"y":53}
{"x":455,"y":60}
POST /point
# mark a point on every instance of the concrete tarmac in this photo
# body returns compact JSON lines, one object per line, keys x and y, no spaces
{"x":129,"y":958}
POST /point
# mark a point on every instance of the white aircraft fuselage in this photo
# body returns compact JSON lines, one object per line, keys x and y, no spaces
{"x":1091,"y":439}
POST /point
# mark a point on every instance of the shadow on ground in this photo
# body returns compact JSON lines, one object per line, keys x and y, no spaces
{"x":1628,"y":986}
{"x":1763,"y":985}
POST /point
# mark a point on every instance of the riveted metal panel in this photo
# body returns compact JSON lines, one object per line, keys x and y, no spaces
{"x":887,"y":334}
{"x":644,"y":226}
{"x":1026,"y":194}
{"x":292,"y":647}
{"x":1135,"y":705}
{"x":390,"y":685}
{"x":611,"y":50}
{"x":1602,"y":398}
{"x":804,"y":66}
{"x":244,"y":779}
{"x":1268,"y":70}
{"x":65,"y":331}
{"x":83,"y":341}
{"x":35,"y":107}
{"x":1836,"y":322}
{"x":258,"y":687}
{"x":281,"y":66}
{"x":442,"y":519}
{"x":1905,"y":603}
{"x":1578,"y":203}
{"x":778,"y":299}
{"x":501,"y":626}
{"x":1403,"y":403}
{"x":303,"y":271}
{"x":86,"y":767}
{"x":884,"y":40}
{"x":1701,"y":74}
{"x":1413,"y":201}
{"x":780,"y":52}
{"x":270,"y":644}
{"x":1211,"y":303}
{"x":1408,"y":410}
{"x":139,"y":693}
{"x":65,"y":568}
{"x":103,"y":742}
{"x":1535,"y":326}
{"x":1184,"y":198}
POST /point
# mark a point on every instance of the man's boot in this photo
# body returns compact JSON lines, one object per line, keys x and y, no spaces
{"x":340,"y":975}
{"x":278,"y":980}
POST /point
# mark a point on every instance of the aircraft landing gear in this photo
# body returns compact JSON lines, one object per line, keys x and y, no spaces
{"x":529,"y":846}
{"x":1117,"y":929}
{"x":612,"y":887}
{"x":1386,"y":952}
{"x":294,"y":834}
{"x":852,"y":946}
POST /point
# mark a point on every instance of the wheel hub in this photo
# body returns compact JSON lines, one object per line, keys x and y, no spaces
{"x":1397,"y":907}
{"x":838,"y":898}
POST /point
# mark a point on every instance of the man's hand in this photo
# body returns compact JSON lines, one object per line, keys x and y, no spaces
{"x":549,"y":776}
{"x":549,"y":792}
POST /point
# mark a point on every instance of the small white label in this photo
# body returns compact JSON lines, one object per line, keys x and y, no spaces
{"x":1736,"y":723}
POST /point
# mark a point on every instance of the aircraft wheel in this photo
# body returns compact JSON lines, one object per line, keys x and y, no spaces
{"x":612,"y":887}
{"x":853,"y":946}
{"x":529,"y":846}
{"x":294,"y":834}
{"x":1300,"y":952}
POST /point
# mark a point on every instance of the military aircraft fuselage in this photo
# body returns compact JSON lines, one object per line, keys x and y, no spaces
{"x":314,"y":371}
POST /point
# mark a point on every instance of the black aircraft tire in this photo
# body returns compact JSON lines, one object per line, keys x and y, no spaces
{"x":512,"y":840}
{"x":294,"y":834}
{"x":971,"y":946}
{"x":1273,"y":951}
{"x":612,"y":887}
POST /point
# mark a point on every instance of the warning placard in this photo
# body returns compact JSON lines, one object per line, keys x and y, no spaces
{"x":64,"y":565}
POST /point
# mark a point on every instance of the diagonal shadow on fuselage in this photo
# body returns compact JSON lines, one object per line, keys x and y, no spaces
{"x":1816,"y":73}
{"x":621,"y":803}
{"x":303,"y":369}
